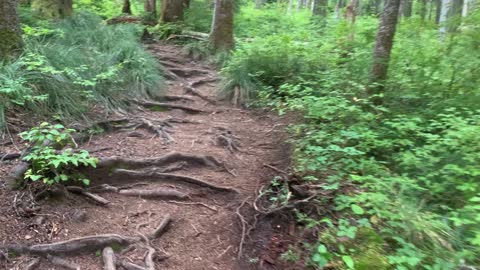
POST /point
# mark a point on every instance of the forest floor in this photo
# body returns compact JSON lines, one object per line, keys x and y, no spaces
{"x":206,"y":229}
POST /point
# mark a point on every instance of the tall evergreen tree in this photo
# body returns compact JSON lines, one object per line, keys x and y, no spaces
{"x":221,"y":36}
{"x":52,"y":9}
{"x":172,"y":10}
{"x":10,"y":34}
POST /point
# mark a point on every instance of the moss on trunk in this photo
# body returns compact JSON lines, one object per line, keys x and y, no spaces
{"x":52,"y":9}
{"x":10,"y":34}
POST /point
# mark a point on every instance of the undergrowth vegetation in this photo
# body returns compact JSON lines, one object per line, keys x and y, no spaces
{"x":72,"y":65}
{"x":404,"y":173}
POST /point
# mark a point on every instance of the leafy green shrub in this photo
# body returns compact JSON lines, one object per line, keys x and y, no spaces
{"x":48,"y":162}
{"x":75,"y":64}
{"x":414,"y":161}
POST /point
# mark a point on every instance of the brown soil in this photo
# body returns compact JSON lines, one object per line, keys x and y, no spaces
{"x":201,"y":236}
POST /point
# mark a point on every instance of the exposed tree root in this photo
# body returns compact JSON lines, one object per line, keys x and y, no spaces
{"x":9,"y":156}
{"x":162,"y":105}
{"x":173,"y":157}
{"x":109,"y":260}
{"x":225,"y":137}
{"x":129,"y":265}
{"x":188,"y":72}
{"x":96,"y":198}
{"x":73,"y":246}
{"x":202,"y":81}
{"x":161,"y":128}
{"x":62,"y":262}
{"x":184,"y":36}
{"x":191,"y":90}
{"x":156,"y":193}
{"x":169,"y":177}
{"x":176,"y":98}
{"x":33,"y":264}
{"x":91,"y":244}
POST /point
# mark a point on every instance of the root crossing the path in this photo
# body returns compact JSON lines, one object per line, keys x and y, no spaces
{"x":174,"y":187}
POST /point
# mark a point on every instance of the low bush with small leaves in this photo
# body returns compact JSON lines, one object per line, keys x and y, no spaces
{"x":51,"y":157}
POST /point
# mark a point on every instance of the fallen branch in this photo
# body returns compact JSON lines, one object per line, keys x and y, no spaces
{"x":96,"y":198}
{"x":169,"y":177}
{"x":189,"y":89}
{"x":161,"y":228}
{"x":195,"y":203}
{"x":274,"y":168}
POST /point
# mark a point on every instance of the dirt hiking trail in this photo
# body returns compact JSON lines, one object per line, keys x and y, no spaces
{"x":185,"y":173}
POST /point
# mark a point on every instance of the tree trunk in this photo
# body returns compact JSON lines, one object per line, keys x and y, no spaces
{"x":320,"y":8}
{"x":52,"y":9}
{"x":438,"y":11}
{"x":338,"y":8}
{"x":126,"y":7}
{"x":290,"y":7}
{"x":383,"y":47}
{"x":221,"y":36}
{"x":172,"y":10}
{"x":407,"y":8}
{"x":150,"y":7}
{"x":259,"y":3}
{"x":186,"y":3}
{"x":10,"y":34}
{"x":351,"y":11}
{"x":301,"y":4}
{"x":423,"y":10}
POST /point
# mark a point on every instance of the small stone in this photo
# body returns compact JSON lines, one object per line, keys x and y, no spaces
{"x":28,"y":237}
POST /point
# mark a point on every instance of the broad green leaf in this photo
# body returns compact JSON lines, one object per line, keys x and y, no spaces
{"x":357,"y":209}
{"x":348,"y":261}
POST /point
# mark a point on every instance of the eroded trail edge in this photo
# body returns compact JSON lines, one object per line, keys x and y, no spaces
{"x":174,"y":188}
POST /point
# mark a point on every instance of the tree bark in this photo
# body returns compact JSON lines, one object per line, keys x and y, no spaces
{"x":438,"y":11}
{"x":407,"y":8}
{"x":259,"y":3}
{"x":186,"y":3}
{"x":221,"y":36}
{"x":10,"y":33}
{"x":423,"y":9}
{"x":172,"y":11}
{"x":338,"y":8}
{"x":290,"y":7}
{"x":126,"y":9}
{"x":301,"y":4}
{"x":351,"y":11}
{"x":383,"y":47}
{"x":320,"y":8}
{"x":150,"y":7}
{"x":52,"y":9}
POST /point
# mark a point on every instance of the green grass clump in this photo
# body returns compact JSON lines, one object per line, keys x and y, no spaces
{"x":70,"y":66}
